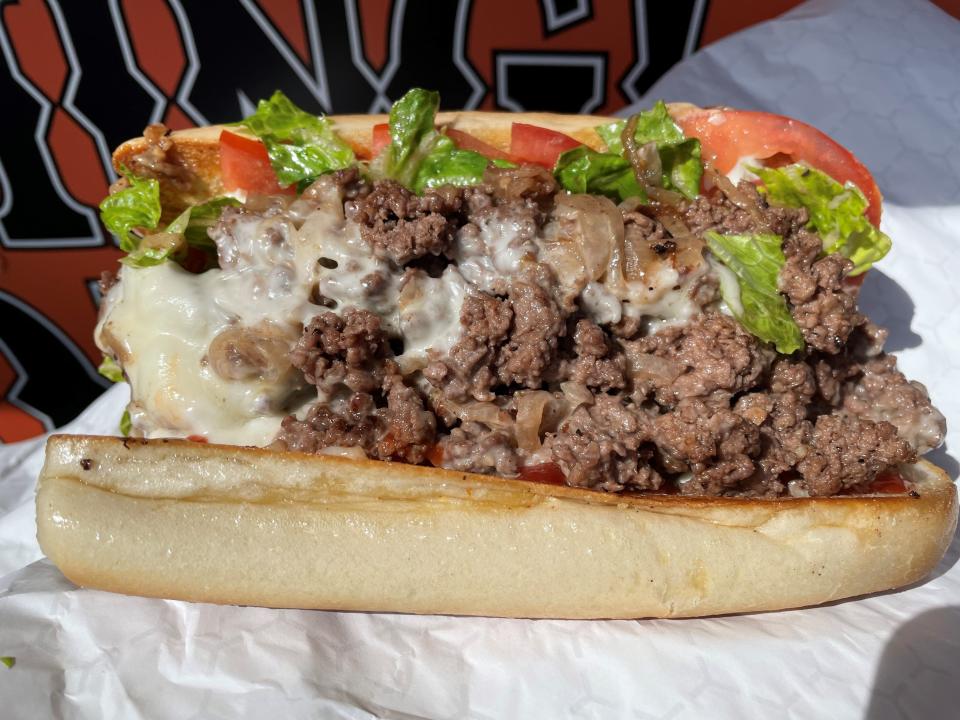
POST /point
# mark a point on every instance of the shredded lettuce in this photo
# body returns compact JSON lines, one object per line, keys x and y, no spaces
{"x":135,"y":207}
{"x":836,"y":211}
{"x":189,"y":229}
{"x":756,"y":260}
{"x":110,"y":370}
{"x":679,"y":155}
{"x":582,"y":170}
{"x":301,"y":146}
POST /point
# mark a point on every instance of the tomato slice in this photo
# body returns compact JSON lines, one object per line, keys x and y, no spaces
{"x":889,"y":481}
{"x":197,"y":438}
{"x":245,"y":165}
{"x":549,"y":473}
{"x":466,"y":141}
{"x":529,"y":143}
{"x":435,"y":455}
{"x":381,"y":138}
{"x":726,"y":136}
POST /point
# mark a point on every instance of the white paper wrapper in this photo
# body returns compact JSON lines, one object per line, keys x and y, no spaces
{"x":880,"y":77}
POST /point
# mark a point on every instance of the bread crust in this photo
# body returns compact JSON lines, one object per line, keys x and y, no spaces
{"x":212,"y":523}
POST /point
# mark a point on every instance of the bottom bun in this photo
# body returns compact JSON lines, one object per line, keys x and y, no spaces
{"x":182,"y":520}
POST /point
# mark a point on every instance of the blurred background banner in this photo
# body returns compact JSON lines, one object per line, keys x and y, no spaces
{"x":78,"y":77}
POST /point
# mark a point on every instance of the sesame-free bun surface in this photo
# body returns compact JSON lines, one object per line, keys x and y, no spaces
{"x":191,"y":521}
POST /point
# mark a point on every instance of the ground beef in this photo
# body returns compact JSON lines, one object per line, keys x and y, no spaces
{"x":715,"y":211}
{"x":532,"y":345}
{"x":714,"y":355}
{"x":402,"y":430}
{"x":600,"y":363}
{"x":713,"y":443}
{"x":363,"y":400}
{"x":882,"y":393}
{"x":825,"y":312}
{"x":474,"y":447}
{"x":781,"y":416}
{"x":346,"y":349}
{"x":603,"y":446}
{"x":355,"y":426}
{"x":409,"y":429}
{"x":847,"y":451}
{"x":401,"y":226}
{"x":465,"y":372}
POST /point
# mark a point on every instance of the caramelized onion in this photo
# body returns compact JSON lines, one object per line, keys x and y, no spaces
{"x":530,"y":415}
{"x":576,"y":394}
{"x":644,"y":159}
{"x":665,"y":197}
{"x":484,"y":412}
{"x":644,"y":366}
{"x":244,"y":353}
{"x":599,"y":231}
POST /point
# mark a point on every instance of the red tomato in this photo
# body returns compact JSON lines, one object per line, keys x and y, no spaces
{"x":435,"y":455}
{"x":381,"y":138}
{"x":529,"y":143}
{"x":889,"y":481}
{"x":728,"y":135}
{"x":245,"y":165}
{"x":197,"y":438}
{"x":549,"y":473}
{"x":466,"y":141}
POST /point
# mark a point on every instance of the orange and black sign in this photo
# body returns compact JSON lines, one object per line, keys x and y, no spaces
{"x":77,"y":78}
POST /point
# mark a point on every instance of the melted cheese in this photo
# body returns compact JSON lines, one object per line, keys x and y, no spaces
{"x":160,"y":321}
{"x":430,"y":315}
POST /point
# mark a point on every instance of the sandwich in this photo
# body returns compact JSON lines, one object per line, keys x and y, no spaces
{"x":522,"y":365}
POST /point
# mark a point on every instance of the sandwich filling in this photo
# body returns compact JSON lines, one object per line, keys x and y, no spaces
{"x":647,"y":335}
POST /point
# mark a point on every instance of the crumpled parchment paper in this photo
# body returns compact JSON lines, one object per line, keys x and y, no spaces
{"x":882,"y":78}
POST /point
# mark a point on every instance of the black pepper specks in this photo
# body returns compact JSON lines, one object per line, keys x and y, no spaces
{"x":86,"y":463}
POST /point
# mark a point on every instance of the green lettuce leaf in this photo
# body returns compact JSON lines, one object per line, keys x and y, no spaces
{"x":110,"y":370}
{"x":836,"y":211}
{"x":446,"y":164}
{"x":125,"y":423}
{"x":301,"y":146}
{"x":679,"y":155}
{"x":201,"y":218}
{"x":134,"y":207}
{"x":8,"y":660}
{"x":189,"y":229}
{"x":583,"y":170}
{"x":412,"y":136}
{"x":418,"y":156}
{"x":756,"y":260}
